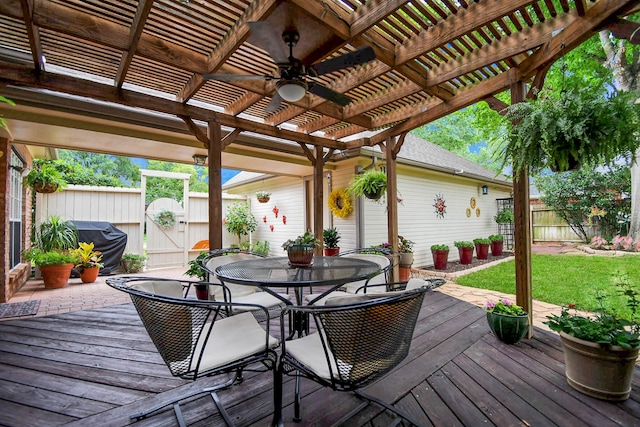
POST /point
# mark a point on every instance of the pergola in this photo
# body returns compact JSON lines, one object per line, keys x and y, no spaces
{"x":432,"y":58}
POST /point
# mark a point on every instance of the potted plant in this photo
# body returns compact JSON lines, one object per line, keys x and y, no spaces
{"x":263,"y":196}
{"x":482,"y":247}
{"x":132,"y":263}
{"x":88,"y":264}
{"x":54,"y":233}
{"x":239,"y":220}
{"x":505,"y":216}
{"x":508,"y":321}
{"x":440,"y":254}
{"x":372,"y":184}
{"x":331,"y":237}
{"x":576,"y":127}
{"x":497,"y":242}
{"x":44,"y":177}
{"x":300,"y":250}
{"x":55,"y":266}
{"x":465,"y":251}
{"x":600,"y":351}
{"x":196,"y":270}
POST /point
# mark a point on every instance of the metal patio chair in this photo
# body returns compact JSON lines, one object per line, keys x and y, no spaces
{"x":383,"y":258}
{"x":196,"y":340}
{"x":360,"y":338}
{"x":239,"y":293}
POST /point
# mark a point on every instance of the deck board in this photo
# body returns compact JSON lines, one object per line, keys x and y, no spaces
{"x":99,"y":366}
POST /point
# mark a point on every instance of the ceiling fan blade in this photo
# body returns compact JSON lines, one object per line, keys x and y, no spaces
{"x":351,"y":59}
{"x":274,"y":104}
{"x":234,"y":77}
{"x":267,"y":38}
{"x":329,"y":94}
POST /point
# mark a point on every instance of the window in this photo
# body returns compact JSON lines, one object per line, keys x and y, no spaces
{"x":15,"y":209}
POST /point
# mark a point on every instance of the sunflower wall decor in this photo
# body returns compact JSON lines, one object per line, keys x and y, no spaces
{"x":340,"y":203}
{"x":440,"y":205}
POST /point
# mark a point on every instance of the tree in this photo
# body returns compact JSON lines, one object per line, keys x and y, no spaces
{"x":574,"y":194}
{"x":239,"y":220}
{"x":173,"y":188}
{"x":84,"y":168}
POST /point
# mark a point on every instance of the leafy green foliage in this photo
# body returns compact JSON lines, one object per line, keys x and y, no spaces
{"x":505,"y":216}
{"x":195,"y":267}
{"x":173,"y":188}
{"x":261,"y":247}
{"x":305,"y":239}
{"x":579,"y":126}
{"x":87,"y":257}
{"x":572,"y":195}
{"x":132,"y":263}
{"x":439,"y":247}
{"x":239,"y":220}
{"x":463,"y":244}
{"x":405,"y":245}
{"x":54,"y":233}
{"x":45,"y":172}
{"x":504,"y":306}
{"x":369,"y":182}
{"x":331,"y":237}
{"x":606,"y":327}
{"x":83,"y":168}
{"x":496,"y":238}
{"x":54,"y":257}
{"x":3,"y":122}
{"x":482,"y":240}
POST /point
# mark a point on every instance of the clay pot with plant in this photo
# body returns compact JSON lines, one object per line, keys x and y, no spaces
{"x":300,"y":250}
{"x":497,"y":242}
{"x":88,"y":264}
{"x":465,"y":251}
{"x":482,"y":247}
{"x":132,"y":263}
{"x":331,"y":237}
{"x":440,"y":254}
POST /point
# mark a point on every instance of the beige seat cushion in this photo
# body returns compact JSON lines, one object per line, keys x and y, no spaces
{"x":264,"y":299}
{"x":232,"y":338}
{"x":168,"y":288}
{"x":236,"y":290}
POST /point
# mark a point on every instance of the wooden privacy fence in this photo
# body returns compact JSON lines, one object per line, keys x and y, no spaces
{"x":547,"y":226}
{"x":121,"y":207}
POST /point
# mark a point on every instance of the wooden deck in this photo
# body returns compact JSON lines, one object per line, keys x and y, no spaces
{"x":95,"y":367}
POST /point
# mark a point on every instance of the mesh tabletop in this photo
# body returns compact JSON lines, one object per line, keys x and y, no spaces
{"x":278,"y":272}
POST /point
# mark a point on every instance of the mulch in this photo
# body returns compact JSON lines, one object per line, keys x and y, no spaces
{"x":455,"y":266}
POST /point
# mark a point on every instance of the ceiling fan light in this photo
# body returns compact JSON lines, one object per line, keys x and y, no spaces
{"x":291,"y":90}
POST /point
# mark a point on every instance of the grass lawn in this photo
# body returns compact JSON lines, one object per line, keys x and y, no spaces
{"x":563,"y":279}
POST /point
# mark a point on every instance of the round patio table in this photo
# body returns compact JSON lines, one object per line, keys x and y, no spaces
{"x":267,"y":273}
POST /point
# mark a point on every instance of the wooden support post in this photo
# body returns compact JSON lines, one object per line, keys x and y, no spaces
{"x":214,"y":134}
{"x":318,"y":181}
{"x":522,"y":231}
{"x":392,"y":197}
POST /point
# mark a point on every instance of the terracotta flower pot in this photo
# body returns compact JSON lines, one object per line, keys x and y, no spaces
{"x":330,"y":251}
{"x":300,"y":255}
{"x":601,"y":372}
{"x":89,"y":275}
{"x":440,"y":259}
{"x":405,"y":273}
{"x":56,"y":276}
{"x":508,"y":329}
{"x":482,"y":250}
{"x":466,"y":254}
{"x":496,"y":247}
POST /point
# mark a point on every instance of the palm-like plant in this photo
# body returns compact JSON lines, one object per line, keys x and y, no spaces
{"x":57,"y":234}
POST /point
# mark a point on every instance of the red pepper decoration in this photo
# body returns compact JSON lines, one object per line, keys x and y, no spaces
{"x":271,"y":227}
{"x":284,"y":219}
{"x":264,"y":219}
{"x":276,"y":210}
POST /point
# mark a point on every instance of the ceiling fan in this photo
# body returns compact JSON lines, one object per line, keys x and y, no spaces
{"x":294,"y":81}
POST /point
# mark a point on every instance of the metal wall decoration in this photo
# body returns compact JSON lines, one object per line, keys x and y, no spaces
{"x":440,"y":205}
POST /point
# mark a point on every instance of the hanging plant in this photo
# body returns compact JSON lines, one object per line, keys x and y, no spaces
{"x":578,"y":127}
{"x":340,"y":203}
{"x":372,"y":184}
{"x":263,"y":196}
{"x":165,"y":219}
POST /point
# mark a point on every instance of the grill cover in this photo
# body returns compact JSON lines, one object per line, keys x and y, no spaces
{"x":107,"y":239}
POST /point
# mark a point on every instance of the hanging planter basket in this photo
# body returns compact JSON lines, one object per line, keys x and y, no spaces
{"x":45,"y":188}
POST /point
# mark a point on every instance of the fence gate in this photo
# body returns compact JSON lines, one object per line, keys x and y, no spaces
{"x":166,"y":243}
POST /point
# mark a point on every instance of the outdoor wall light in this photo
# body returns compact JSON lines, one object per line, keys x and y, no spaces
{"x":291,"y":90}
{"x":199,"y":159}
{"x":485,"y":190}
